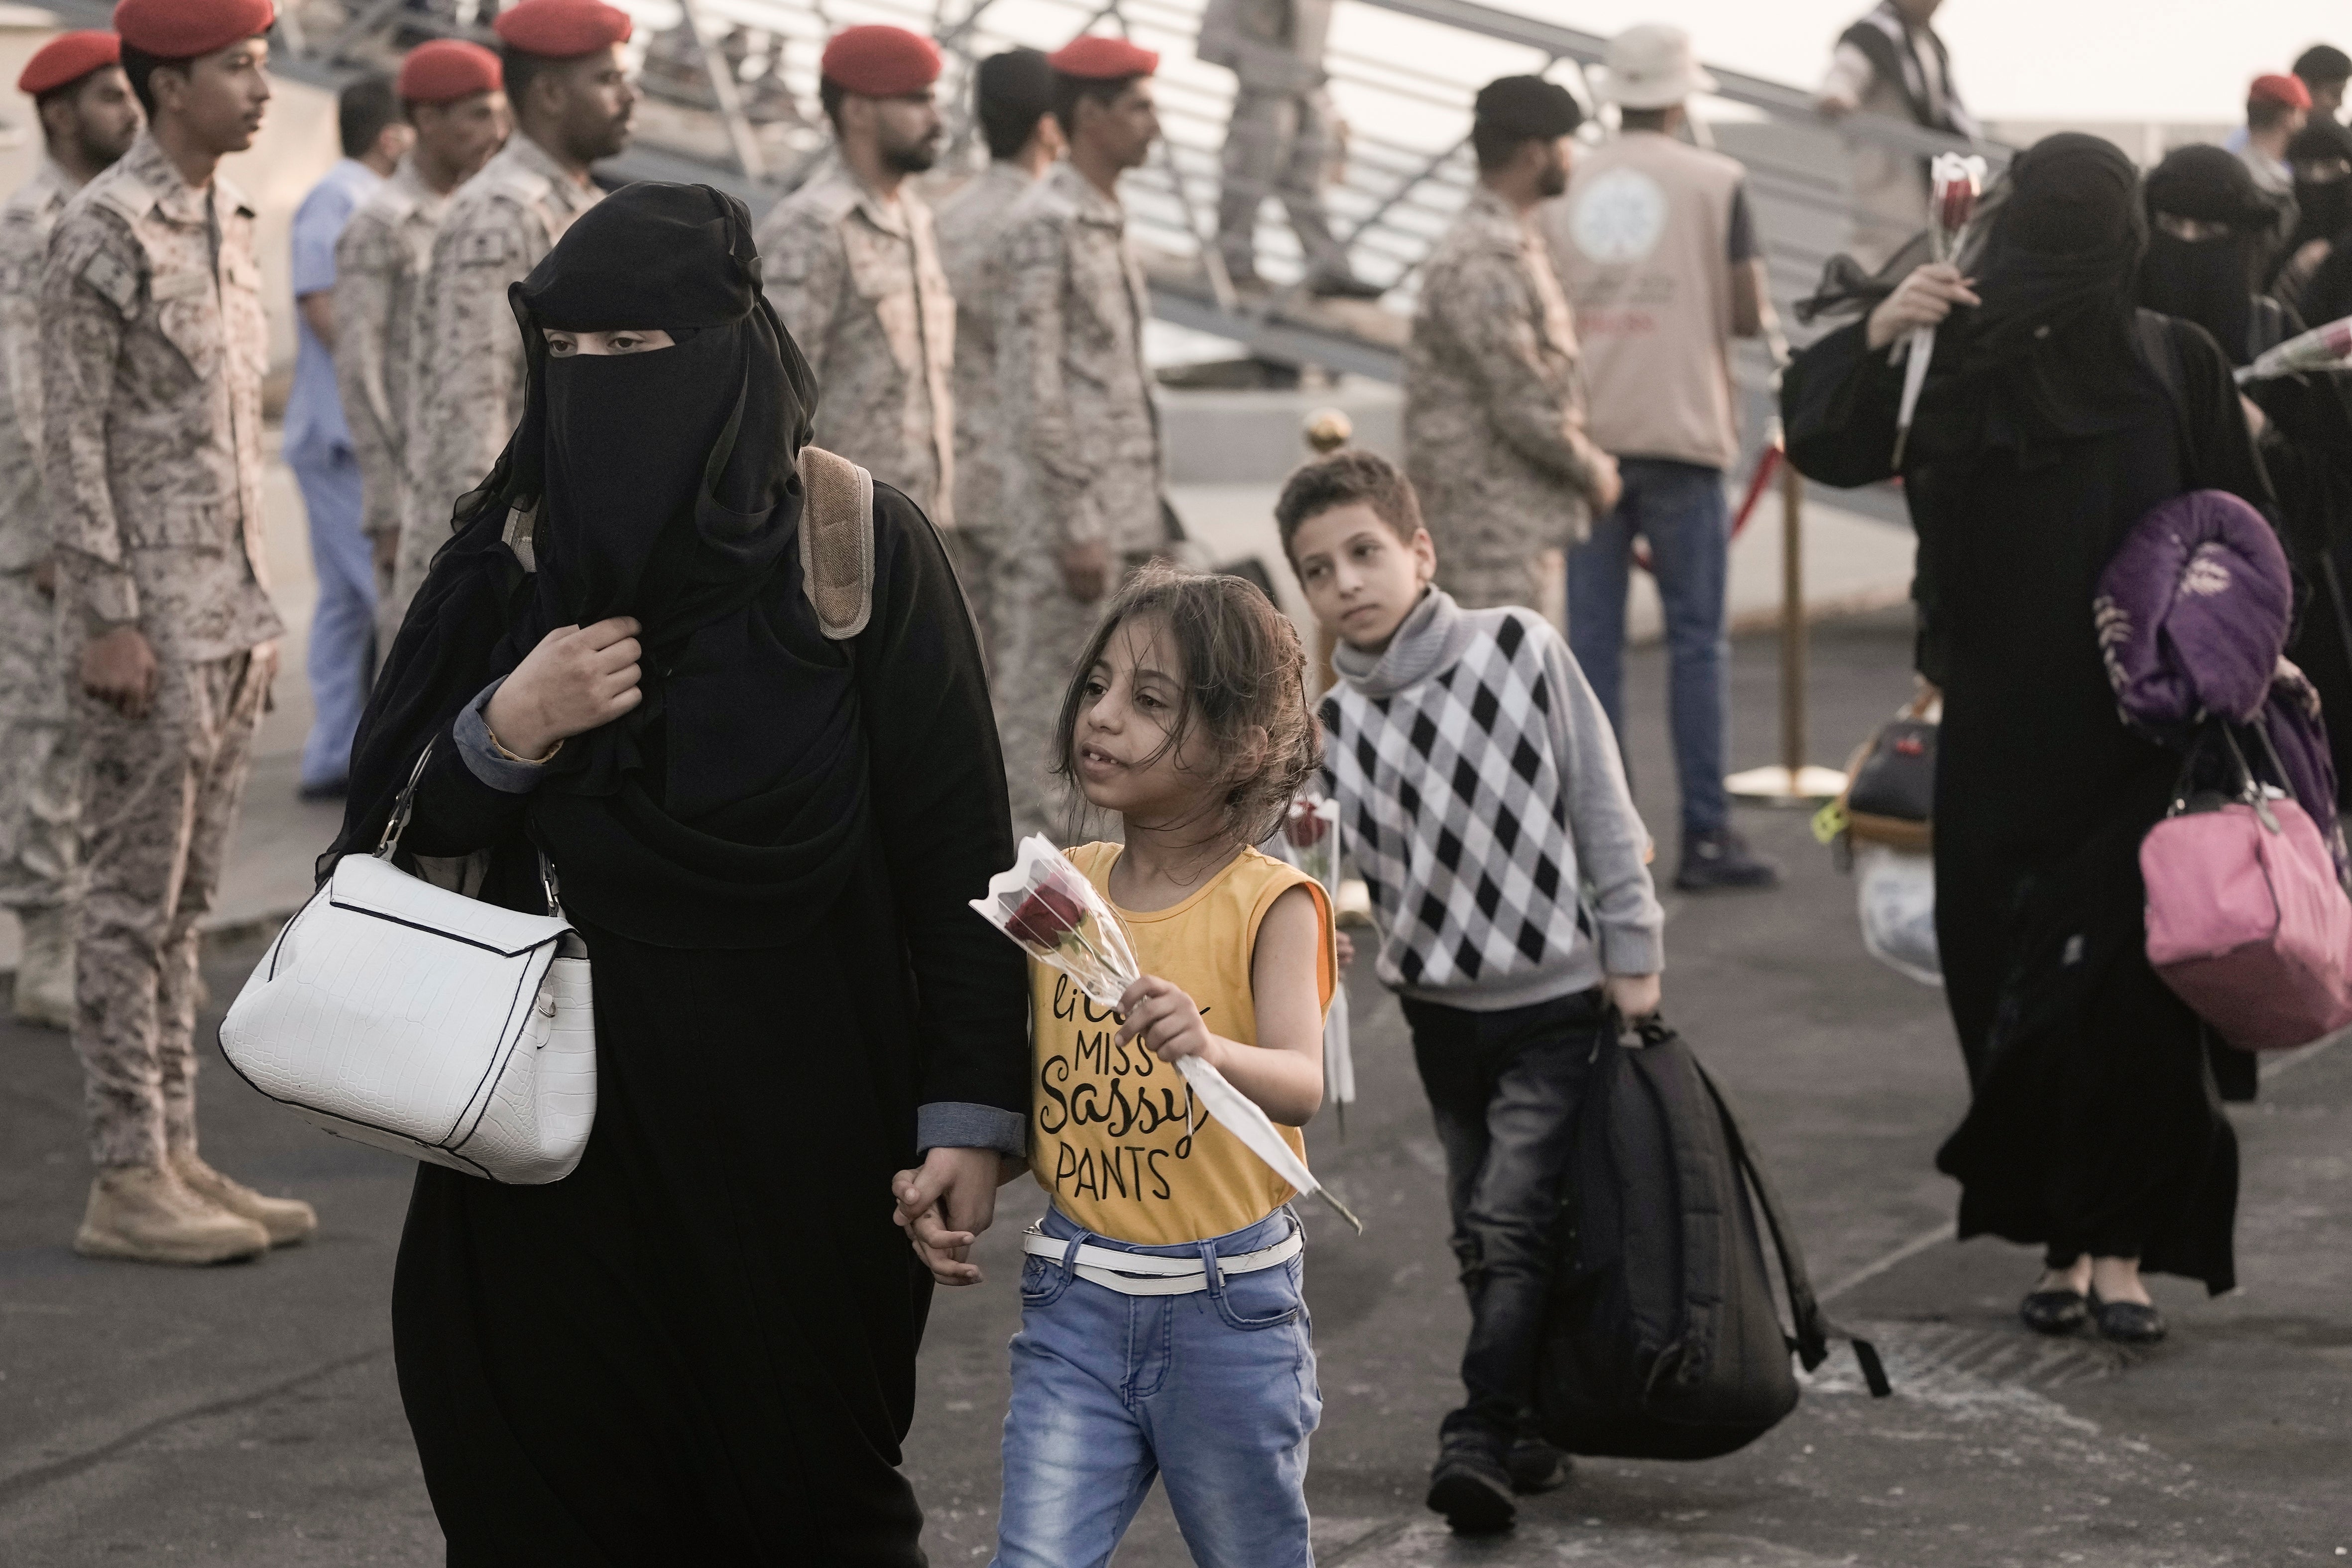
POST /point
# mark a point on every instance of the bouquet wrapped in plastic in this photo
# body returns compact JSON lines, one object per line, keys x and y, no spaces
{"x":1955,"y":181}
{"x":2324,"y":347}
{"x":1058,"y":918}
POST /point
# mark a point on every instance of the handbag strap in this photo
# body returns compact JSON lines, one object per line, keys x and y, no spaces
{"x":404,"y":806}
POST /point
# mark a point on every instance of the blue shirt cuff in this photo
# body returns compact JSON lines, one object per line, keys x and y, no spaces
{"x":482,"y":760}
{"x":958,"y":1124}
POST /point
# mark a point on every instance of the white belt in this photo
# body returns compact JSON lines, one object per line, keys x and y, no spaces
{"x":1142,"y":1274}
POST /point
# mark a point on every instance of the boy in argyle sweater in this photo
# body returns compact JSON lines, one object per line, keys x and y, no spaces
{"x":1482,"y":800}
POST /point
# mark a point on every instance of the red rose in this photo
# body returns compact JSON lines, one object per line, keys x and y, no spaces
{"x":1959,"y":204}
{"x":1306,"y":826}
{"x":1045,"y":916}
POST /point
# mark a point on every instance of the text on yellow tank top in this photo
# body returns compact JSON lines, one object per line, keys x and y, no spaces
{"x":1108,"y":1137}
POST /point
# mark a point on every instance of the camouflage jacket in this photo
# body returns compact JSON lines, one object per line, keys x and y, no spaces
{"x":1494,"y":397}
{"x":380,"y":264}
{"x":972,"y":225}
{"x":26,"y":223}
{"x":468,"y":370}
{"x":858,"y":283}
{"x":153,"y":349}
{"x":1082,"y":450}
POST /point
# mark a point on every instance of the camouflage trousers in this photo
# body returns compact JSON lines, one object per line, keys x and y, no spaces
{"x":39,"y":774}
{"x":423,"y":531}
{"x":160,"y":797}
{"x":1041,"y":633}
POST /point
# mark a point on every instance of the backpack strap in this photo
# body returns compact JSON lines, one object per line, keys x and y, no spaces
{"x":837,"y":542}
{"x":1814,"y":1331}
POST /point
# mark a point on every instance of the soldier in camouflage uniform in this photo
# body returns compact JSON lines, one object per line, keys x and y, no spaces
{"x":852,"y":270}
{"x":87,"y":118}
{"x":153,"y":349}
{"x":1014,"y":93}
{"x":1083,"y":474}
{"x":1494,"y":411}
{"x":571,"y":106}
{"x":452,"y":91}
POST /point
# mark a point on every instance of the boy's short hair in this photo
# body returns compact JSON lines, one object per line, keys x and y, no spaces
{"x":1069,"y":91}
{"x":1343,"y":480}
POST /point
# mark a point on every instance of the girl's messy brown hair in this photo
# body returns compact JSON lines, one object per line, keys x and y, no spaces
{"x":1244,"y":677}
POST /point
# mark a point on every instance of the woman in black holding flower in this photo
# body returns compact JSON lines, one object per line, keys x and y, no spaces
{"x":699,"y":1346}
{"x":2054,"y":418}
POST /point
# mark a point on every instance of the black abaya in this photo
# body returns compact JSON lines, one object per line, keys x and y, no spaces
{"x":2095,"y":1124}
{"x":699,"y":1346}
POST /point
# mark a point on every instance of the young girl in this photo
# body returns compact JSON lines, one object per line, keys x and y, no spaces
{"x":1163,"y":1330}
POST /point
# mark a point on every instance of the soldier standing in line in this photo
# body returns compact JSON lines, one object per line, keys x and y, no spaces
{"x":1279,"y":141}
{"x":1082,"y":462}
{"x":453,"y":93}
{"x":152,"y":347}
{"x":570,"y":91}
{"x":89,"y":118}
{"x":317,"y":442}
{"x":1013,"y":99}
{"x":853,"y":269}
{"x":1493,"y":399}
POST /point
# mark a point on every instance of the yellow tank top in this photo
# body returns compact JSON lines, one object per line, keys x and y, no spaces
{"x":1109,"y":1140}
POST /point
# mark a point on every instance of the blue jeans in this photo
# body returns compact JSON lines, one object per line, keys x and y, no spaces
{"x":1680,"y":509}
{"x":343,"y":627}
{"x":1215,"y":1391}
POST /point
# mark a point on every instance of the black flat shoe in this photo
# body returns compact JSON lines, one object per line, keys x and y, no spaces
{"x":2127,"y":1323}
{"x":2053,"y":1311}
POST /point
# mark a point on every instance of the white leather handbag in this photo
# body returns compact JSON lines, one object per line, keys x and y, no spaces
{"x":411,"y":1018}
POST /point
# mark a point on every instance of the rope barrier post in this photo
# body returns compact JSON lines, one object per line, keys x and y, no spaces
{"x":1791,"y":781}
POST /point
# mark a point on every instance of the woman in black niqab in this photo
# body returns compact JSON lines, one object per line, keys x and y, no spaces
{"x":2054,"y":416}
{"x":699,"y":1346}
{"x":2210,"y":227}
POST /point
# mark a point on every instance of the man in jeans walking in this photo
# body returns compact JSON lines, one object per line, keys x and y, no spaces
{"x":1655,"y":245}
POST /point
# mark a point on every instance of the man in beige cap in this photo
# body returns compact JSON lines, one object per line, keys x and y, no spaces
{"x":1655,"y":245}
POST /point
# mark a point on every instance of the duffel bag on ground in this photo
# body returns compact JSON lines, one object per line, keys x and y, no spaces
{"x":1664,"y":1341}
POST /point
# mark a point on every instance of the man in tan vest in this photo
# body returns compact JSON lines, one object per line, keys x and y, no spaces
{"x":1655,"y":245}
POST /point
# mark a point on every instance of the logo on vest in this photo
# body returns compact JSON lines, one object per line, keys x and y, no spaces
{"x":1619,"y":217}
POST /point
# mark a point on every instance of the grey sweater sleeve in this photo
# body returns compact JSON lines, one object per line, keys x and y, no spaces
{"x":1611,"y":840}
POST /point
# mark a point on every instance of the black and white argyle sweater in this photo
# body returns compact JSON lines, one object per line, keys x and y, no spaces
{"x":1482,"y":801}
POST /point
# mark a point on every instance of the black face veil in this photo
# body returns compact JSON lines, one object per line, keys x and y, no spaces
{"x":661,"y":485}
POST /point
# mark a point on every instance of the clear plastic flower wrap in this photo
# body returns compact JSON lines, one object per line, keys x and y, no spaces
{"x":1054,"y":913}
{"x":2327,"y":347}
{"x":1955,"y":182}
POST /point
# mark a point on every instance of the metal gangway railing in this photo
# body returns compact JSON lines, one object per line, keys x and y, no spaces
{"x":731,"y":98}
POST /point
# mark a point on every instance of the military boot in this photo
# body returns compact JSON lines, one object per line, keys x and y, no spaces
{"x":45,"y":969}
{"x":285,"y":1219}
{"x":146,"y":1214}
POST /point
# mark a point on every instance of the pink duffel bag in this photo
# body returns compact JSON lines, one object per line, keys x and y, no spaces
{"x":2246,"y":921}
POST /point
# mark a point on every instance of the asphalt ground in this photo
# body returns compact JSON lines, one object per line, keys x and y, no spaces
{"x":247,"y":1415}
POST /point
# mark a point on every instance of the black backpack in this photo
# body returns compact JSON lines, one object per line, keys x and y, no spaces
{"x":1664,"y":1341}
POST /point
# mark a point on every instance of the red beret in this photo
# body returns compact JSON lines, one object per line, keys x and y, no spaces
{"x":66,"y":58}
{"x":562,"y":29}
{"x":182,"y":29}
{"x":1099,"y":58}
{"x":448,"y":70}
{"x":2288,"y":90}
{"x":876,"y":61}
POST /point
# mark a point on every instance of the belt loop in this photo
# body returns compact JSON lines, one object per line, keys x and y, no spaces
{"x":1070,"y":1252}
{"x":1209,"y":1266}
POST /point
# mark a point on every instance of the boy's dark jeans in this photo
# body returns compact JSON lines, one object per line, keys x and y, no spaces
{"x":1503,"y":1088}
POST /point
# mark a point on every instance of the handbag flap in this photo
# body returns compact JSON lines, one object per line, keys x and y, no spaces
{"x":377,"y":887}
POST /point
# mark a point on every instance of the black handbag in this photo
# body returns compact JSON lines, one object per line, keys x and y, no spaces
{"x":1890,"y":793}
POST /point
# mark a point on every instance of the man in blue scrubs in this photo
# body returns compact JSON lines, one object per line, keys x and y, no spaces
{"x":318,"y":443}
